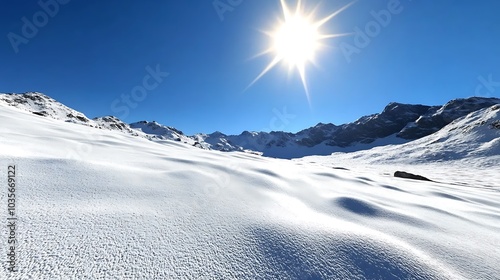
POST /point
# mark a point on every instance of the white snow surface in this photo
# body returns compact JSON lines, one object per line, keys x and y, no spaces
{"x":99,"y":204}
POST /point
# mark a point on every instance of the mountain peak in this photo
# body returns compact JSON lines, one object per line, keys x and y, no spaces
{"x":399,"y":108}
{"x":439,"y":116}
{"x":393,"y":105}
{"x":220,"y":134}
{"x":159,"y":131}
{"x":43,"y":105}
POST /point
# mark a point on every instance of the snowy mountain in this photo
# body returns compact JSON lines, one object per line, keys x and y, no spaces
{"x":474,"y":138}
{"x":396,"y":124}
{"x":157,"y":131}
{"x":113,"y":123}
{"x":42,"y":105}
{"x":465,"y":152}
{"x":324,"y":139}
{"x":129,"y":208}
{"x":437,"y":117}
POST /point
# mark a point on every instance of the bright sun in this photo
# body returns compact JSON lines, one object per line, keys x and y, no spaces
{"x":296,"y":40}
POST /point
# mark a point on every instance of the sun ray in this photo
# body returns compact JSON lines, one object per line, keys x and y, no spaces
{"x":270,"y":66}
{"x":286,"y":11}
{"x":328,"y":18}
{"x":302,"y":72}
{"x":296,"y":40}
{"x":327,"y":36}
{"x":298,"y":8}
{"x":268,"y":51}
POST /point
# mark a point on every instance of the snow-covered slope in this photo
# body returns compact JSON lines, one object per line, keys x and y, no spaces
{"x":100,"y":204}
{"x":468,"y":149}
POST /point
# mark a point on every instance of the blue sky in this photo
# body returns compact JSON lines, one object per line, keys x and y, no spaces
{"x":89,"y":54}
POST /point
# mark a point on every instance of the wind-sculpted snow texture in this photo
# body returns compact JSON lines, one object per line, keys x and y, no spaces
{"x":130,"y":208}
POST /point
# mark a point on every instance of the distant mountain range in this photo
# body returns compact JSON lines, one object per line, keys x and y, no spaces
{"x":474,"y":138}
{"x":396,"y":124}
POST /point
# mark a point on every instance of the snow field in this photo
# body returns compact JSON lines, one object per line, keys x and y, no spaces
{"x":128,"y":208}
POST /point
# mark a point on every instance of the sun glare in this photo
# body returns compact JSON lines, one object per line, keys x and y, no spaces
{"x":296,"y":40}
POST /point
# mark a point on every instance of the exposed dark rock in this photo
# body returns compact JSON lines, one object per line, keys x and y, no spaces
{"x":316,"y":134}
{"x":369,"y":128}
{"x":406,"y":175}
{"x":496,"y":124}
{"x":438,"y":117}
{"x":42,"y":113}
{"x":340,"y":168}
{"x":82,"y":119}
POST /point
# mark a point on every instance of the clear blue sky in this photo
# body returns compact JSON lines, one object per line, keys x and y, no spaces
{"x":88,"y":53}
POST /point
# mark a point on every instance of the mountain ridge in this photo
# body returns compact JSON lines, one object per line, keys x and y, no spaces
{"x":473,"y":139}
{"x":398,"y":123}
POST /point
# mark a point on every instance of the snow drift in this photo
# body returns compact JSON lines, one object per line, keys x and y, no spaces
{"x":103,"y":204}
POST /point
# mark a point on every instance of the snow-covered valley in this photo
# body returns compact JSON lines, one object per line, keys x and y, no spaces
{"x":100,"y":204}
